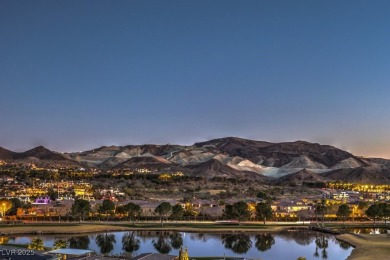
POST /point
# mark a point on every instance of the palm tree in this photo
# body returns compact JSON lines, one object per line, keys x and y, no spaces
{"x":264,"y":242}
{"x":163,"y":210}
{"x":36,"y":244}
{"x":79,"y":242}
{"x":176,"y":240}
{"x":133,"y":210}
{"x":321,"y":208}
{"x":59,"y":243}
{"x":238,"y":243}
{"x":322,"y":243}
{"x":130,"y":243}
{"x":105,"y":242}
{"x":162,"y":245}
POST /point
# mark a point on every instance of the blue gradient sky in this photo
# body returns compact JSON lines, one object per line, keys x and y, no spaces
{"x":79,"y":74}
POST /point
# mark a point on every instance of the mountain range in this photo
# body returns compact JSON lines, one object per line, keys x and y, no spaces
{"x":231,"y":157}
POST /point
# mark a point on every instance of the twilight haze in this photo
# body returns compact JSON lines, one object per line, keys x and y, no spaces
{"x":79,"y":74}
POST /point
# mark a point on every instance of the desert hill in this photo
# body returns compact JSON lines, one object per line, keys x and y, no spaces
{"x":229,"y":156}
{"x":299,"y":177}
{"x":368,"y":175}
{"x":6,"y":154}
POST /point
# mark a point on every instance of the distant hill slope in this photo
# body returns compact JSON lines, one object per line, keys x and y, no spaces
{"x":41,"y":153}
{"x":38,"y":155}
{"x":278,"y":154}
{"x":148,"y":162}
{"x":229,"y":156}
{"x":367,"y":175}
{"x":6,"y":154}
{"x":213,"y":168}
{"x":299,"y":177}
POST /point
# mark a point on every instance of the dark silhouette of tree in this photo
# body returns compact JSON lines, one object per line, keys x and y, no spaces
{"x":302,"y":237}
{"x":344,"y":245}
{"x":320,"y":208}
{"x":81,"y":209}
{"x":105,"y":242}
{"x":199,"y":236}
{"x":133,"y":211}
{"x":384,"y":209}
{"x":264,"y":211}
{"x":130,"y":242}
{"x":163,"y":210}
{"x":343,"y":212}
{"x":262,"y":195}
{"x":316,"y":254}
{"x":60,"y":243}
{"x":107,"y":207}
{"x":79,"y":242}
{"x":36,"y":244}
{"x":162,"y":245}
{"x":238,"y":243}
{"x":322,"y":243}
{"x":238,"y":210}
{"x":16,"y":203}
{"x":52,"y":194}
{"x":264,"y":242}
{"x":177,"y":212}
{"x":374,"y":211}
{"x":176,"y":240}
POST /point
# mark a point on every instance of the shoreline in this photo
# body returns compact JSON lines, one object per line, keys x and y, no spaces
{"x":87,"y":228}
{"x":367,"y":247}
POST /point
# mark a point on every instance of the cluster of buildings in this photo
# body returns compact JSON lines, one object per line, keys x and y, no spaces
{"x":56,"y":197}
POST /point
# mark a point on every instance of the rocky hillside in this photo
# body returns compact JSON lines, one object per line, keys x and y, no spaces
{"x":299,"y":177}
{"x":6,"y":154}
{"x":40,"y":156}
{"x":280,"y":154}
{"x":230,"y":156}
{"x":376,"y":174}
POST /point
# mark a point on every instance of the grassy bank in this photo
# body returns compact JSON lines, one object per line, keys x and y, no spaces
{"x":72,"y":228}
{"x":89,"y":227}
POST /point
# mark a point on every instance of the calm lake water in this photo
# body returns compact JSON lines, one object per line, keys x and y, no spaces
{"x":266,"y":246}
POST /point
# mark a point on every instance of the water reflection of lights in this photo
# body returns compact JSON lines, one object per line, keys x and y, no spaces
{"x":375,"y":231}
{"x":371,"y":231}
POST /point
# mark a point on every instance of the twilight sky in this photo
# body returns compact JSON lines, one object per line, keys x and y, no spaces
{"x":79,"y":74}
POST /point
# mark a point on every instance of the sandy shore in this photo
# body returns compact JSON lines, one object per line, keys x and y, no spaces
{"x":367,"y":247}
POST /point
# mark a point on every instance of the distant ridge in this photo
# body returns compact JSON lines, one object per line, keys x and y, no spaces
{"x":144,"y":162}
{"x":278,"y":154}
{"x":364,"y":175}
{"x":299,"y":177}
{"x":41,"y":153}
{"x":6,"y":154}
{"x":214,"y":168}
{"x":37,"y":155}
{"x":230,"y":157}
